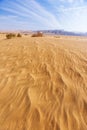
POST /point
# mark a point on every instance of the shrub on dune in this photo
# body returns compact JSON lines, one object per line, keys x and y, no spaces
{"x":10,"y":35}
{"x":38,"y":34}
{"x":19,"y":35}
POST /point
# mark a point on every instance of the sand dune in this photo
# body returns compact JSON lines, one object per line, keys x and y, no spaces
{"x":43,"y":84}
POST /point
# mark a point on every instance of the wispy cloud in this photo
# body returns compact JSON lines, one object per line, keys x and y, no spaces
{"x":63,"y":9}
{"x":33,"y":12}
{"x":44,"y":14}
{"x":72,"y":1}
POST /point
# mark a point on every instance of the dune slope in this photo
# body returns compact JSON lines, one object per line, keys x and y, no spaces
{"x":43,"y":84}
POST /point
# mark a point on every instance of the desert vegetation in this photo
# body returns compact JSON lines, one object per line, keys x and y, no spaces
{"x":38,"y":34}
{"x":19,"y":35}
{"x":12,"y":35}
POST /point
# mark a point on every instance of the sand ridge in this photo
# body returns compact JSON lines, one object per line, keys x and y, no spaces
{"x":43,"y":84}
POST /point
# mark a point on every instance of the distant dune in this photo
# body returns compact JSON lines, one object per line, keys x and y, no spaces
{"x":43,"y":83}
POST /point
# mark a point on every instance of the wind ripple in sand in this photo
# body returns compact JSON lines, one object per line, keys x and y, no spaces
{"x":43,"y":85}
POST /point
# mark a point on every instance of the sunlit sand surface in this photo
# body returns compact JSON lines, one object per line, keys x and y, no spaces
{"x":43,"y":83}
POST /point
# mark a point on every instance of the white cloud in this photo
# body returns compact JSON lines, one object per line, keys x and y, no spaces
{"x":72,"y":1}
{"x":57,"y":14}
{"x":63,"y":9}
{"x":33,"y":12}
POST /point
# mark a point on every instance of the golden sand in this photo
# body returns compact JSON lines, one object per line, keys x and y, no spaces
{"x":43,"y":83}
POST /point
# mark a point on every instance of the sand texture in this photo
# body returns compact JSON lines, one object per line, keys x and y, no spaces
{"x":43,"y":83}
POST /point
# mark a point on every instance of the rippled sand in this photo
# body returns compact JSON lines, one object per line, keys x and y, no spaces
{"x":43,"y":83}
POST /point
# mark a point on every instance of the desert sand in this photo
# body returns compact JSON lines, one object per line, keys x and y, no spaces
{"x":43,"y":83}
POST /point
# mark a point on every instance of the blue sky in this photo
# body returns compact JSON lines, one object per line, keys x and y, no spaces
{"x":69,"y":15}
